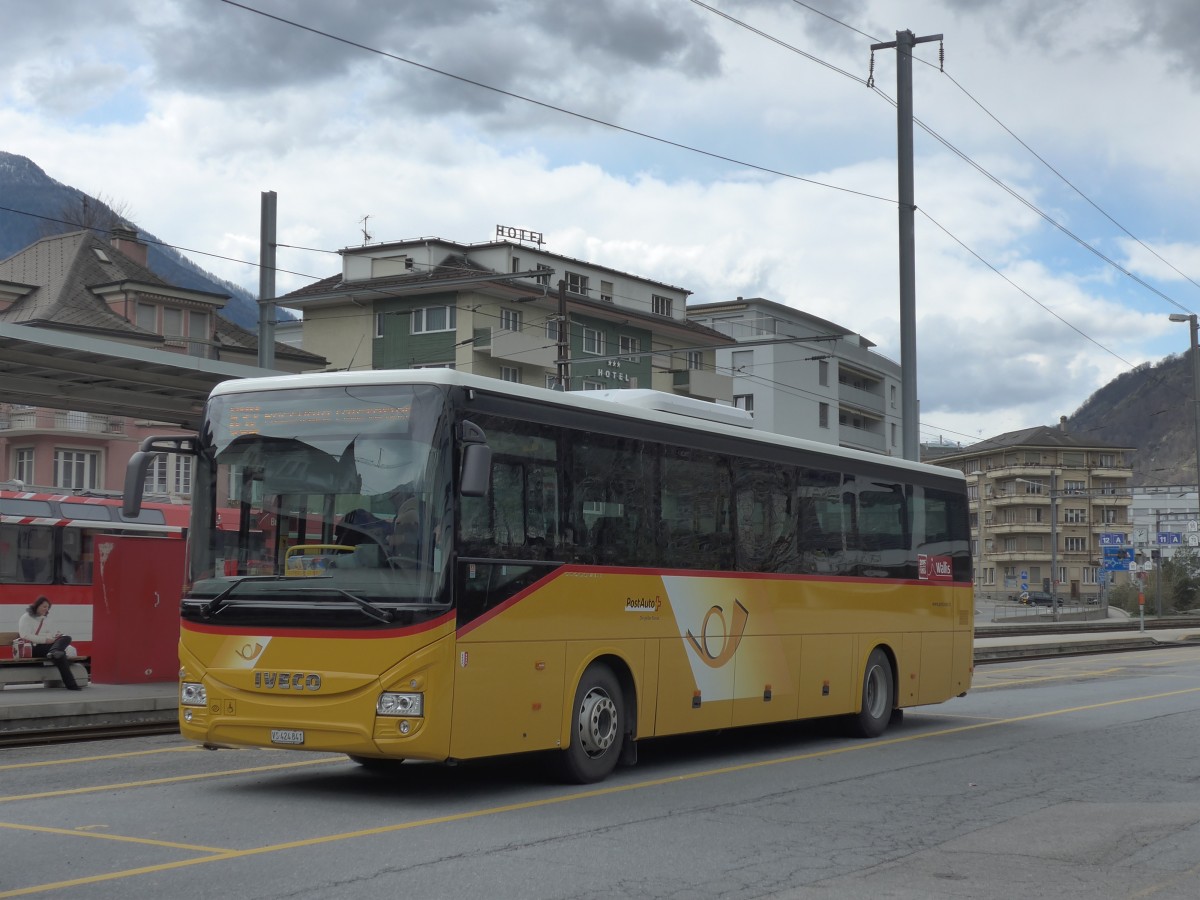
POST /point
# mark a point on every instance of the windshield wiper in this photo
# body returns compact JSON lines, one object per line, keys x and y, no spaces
{"x":219,"y":602}
{"x":386,"y":616}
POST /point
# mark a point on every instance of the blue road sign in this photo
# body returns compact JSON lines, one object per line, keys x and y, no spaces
{"x":1170,"y":537}
{"x":1112,"y":539}
{"x":1116,"y":559}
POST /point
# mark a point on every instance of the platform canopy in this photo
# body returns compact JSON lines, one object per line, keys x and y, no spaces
{"x":62,"y":370}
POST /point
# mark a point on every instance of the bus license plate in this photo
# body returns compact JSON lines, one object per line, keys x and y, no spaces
{"x":285,"y":736}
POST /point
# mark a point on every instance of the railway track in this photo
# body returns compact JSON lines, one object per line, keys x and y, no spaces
{"x":32,"y":737}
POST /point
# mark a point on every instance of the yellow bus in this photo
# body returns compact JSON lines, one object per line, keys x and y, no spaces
{"x":438,"y":566}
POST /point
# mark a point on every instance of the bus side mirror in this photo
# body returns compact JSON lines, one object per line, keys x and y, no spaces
{"x":139,"y":465}
{"x":135,"y":482}
{"x":476,"y":473}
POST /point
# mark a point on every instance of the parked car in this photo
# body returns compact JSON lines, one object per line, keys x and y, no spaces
{"x":1037,"y":598}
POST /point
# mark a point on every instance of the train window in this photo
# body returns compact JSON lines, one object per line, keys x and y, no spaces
{"x":11,"y":507}
{"x":86,"y":511}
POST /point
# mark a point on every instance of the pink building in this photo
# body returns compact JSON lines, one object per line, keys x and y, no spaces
{"x":79,"y":284}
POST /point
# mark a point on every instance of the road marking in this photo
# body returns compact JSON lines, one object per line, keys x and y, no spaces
{"x":175,"y":779}
{"x":83,"y":759}
{"x":75,"y":832}
{"x":563,"y":798}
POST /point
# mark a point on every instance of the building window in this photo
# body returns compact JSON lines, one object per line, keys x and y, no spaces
{"x":741,"y":361}
{"x":378,"y":324}
{"x":434,"y":318}
{"x":172,"y":322}
{"x":630,"y":346}
{"x":1033,"y":487}
{"x":516,"y":264}
{"x":76,"y":470}
{"x":198,"y":333}
{"x":23,"y":465}
{"x":971,"y":467}
{"x":552,"y":330}
{"x":594,"y":385}
{"x":694,"y":359}
{"x":823,"y":415}
{"x":147,"y":317}
{"x":1077,"y":545}
{"x":593,"y":341}
{"x":156,"y":476}
{"x":606,"y":291}
{"x":545,"y":277}
{"x":510,"y":319}
{"x":1033,"y":514}
{"x":1089,"y":574}
{"x":822,"y":373}
{"x":1074,"y":487}
{"x":894,"y":431}
{"x":661,"y":306}
{"x":1108,"y":487}
{"x":1033,"y":542}
{"x":576,"y":283}
{"x":892,"y":392}
{"x":510,"y":373}
{"x":183,"y":474}
{"x":1010,"y":545}
{"x":1108,"y":460}
{"x":1111,"y":516}
{"x":1075,"y":516}
{"x":744,"y":401}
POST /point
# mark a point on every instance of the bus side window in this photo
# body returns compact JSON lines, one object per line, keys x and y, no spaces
{"x":764,"y":530}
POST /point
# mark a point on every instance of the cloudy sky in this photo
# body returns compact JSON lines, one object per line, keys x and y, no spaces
{"x":1056,"y":159}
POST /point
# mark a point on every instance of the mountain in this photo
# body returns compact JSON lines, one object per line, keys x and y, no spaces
{"x":1150,"y":408}
{"x":31,"y":202}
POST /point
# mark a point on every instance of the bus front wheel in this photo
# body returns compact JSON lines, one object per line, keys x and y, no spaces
{"x":872,"y":719}
{"x":597,"y":727}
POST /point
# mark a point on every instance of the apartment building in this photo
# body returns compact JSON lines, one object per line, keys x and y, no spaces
{"x":1047,"y":506}
{"x":495,"y":309}
{"x":805,"y":376}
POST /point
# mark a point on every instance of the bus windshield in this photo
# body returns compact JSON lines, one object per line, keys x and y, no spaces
{"x":339,"y":495}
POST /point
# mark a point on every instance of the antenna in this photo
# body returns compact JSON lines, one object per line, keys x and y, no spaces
{"x":366,"y":234}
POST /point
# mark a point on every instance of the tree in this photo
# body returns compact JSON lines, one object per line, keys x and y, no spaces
{"x":98,"y":213}
{"x":1181,"y":579}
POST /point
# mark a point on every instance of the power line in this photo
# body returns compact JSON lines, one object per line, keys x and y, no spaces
{"x":549,"y":106}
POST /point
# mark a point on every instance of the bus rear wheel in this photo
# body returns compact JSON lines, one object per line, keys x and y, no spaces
{"x":597,"y":727}
{"x":877,"y":692}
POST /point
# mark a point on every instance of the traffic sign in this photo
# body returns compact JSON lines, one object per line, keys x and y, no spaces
{"x":1112,"y":539}
{"x":1170,"y":537}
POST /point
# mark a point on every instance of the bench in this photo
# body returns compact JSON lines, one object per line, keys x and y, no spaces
{"x":36,"y":671}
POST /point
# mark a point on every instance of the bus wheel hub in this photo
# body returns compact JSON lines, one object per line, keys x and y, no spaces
{"x":597,"y":722}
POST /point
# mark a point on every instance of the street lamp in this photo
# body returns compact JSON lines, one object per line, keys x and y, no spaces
{"x":1191,"y":320}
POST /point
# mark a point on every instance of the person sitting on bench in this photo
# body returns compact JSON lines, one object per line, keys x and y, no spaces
{"x":36,"y":628}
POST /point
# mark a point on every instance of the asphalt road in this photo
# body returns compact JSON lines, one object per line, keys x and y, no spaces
{"x":1059,"y":778}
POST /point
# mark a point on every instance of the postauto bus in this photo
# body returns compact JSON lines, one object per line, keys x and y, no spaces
{"x":459,"y":567}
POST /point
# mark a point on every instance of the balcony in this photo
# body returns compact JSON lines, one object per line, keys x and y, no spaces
{"x":43,"y":421}
{"x":1042,"y":528}
{"x":860,"y":439}
{"x":518,"y":347}
{"x":1019,"y":499}
{"x":859,"y":399}
{"x":1021,"y":470}
{"x":699,"y":384}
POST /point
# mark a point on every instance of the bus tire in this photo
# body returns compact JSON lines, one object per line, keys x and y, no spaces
{"x":877,"y":691}
{"x":597,"y":727}
{"x":377,"y":764}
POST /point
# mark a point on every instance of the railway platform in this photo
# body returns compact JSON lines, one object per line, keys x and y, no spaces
{"x":33,"y":713}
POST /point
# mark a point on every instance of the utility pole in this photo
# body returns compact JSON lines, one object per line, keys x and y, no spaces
{"x":564,"y":340}
{"x":910,"y":414}
{"x":266,"y":282}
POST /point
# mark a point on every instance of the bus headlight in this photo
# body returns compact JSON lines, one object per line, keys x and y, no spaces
{"x":400,"y":705}
{"x":192,"y":694}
